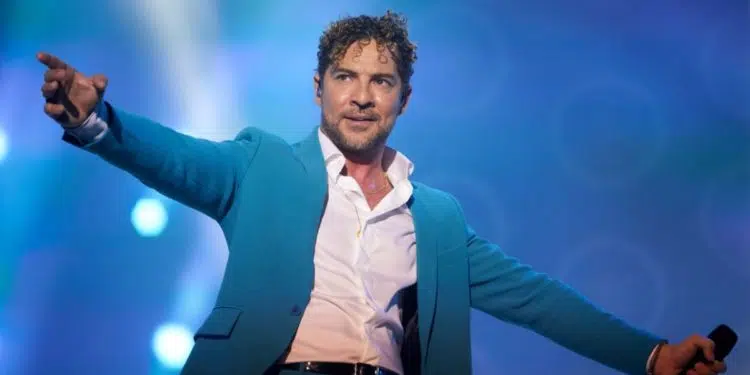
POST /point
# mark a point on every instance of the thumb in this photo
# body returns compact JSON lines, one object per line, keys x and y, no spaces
{"x":100,"y":83}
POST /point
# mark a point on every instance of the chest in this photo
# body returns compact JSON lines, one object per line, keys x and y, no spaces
{"x":363,"y":254}
{"x":352,"y":231}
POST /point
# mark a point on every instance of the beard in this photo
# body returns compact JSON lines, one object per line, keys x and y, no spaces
{"x":350,"y":145}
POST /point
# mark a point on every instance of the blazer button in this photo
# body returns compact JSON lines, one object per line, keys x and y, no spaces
{"x":296,"y":310}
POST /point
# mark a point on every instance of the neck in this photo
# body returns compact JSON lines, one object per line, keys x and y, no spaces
{"x":365,"y":167}
{"x":370,"y":173}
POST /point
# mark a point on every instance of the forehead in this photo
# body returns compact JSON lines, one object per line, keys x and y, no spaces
{"x":367,"y":56}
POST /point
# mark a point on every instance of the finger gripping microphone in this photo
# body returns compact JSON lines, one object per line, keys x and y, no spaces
{"x":724,"y":339}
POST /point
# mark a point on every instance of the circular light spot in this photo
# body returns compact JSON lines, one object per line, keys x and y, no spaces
{"x":4,"y":144}
{"x":149,"y":217}
{"x":172,"y":344}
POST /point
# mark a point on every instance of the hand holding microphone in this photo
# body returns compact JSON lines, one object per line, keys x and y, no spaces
{"x":697,"y":355}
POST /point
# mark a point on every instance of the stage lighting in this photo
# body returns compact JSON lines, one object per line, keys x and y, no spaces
{"x":172,"y":344}
{"x":149,"y":217}
{"x":3,"y":144}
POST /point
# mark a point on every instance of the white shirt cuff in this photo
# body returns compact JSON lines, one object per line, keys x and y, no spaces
{"x":94,"y":128}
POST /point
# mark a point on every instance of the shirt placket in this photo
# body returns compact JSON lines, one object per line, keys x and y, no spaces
{"x":361,"y":259}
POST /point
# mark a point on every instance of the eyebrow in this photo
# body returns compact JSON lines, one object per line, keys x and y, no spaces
{"x":353,"y":73}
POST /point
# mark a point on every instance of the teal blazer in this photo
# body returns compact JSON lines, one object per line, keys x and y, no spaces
{"x":268,"y":196}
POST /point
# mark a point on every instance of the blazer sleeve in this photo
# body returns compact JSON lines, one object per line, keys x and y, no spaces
{"x":511,"y":291}
{"x":199,"y":173}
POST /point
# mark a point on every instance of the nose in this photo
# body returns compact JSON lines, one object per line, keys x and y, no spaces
{"x":363,"y":97}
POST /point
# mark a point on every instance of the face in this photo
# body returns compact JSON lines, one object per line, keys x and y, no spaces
{"x":360,"y":98}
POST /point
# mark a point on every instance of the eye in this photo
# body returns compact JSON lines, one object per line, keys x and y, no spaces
{"x":383,"y":81}
{"x":341,"y":77}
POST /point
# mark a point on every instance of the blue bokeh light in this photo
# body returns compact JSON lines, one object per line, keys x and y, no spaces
{"x":4,"y":144}
{"x":149,"y":217}
{"x":172,"y":344}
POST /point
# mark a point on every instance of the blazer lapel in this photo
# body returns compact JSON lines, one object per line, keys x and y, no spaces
{"x":426,"y":264}
{"x":312,"y":204}
{"x":309,"y":153}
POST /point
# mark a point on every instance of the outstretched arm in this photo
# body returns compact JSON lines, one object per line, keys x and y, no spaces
{"x":506,"y":289}
{"x":199,"y":173}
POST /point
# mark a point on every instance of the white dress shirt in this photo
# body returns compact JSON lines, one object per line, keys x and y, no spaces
{"x":353,"y":315}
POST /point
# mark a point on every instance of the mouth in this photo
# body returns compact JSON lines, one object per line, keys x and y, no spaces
{"x":361,"y":118}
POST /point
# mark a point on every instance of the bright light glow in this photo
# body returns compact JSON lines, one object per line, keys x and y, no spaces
{"x":149,"y":217}
{"x":172,"y":344}
{"x":185,"y":37}
{"x":3,"y":144}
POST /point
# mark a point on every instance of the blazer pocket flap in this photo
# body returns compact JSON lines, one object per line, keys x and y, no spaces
{"x":219,"y":323}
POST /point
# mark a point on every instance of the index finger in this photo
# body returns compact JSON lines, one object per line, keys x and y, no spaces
{"x":51,"y":61}
{"x":707,"y":346}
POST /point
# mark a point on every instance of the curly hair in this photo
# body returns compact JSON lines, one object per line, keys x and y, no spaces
{"x":388,"y":31}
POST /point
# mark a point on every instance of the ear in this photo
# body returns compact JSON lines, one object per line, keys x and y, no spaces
{"x":405,"y":96}
{"x":317,"y":87}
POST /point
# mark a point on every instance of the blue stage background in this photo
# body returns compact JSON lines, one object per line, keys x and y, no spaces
{"x":605,"y":143}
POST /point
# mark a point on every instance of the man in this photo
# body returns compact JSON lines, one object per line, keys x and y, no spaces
{"x":339,"y":264}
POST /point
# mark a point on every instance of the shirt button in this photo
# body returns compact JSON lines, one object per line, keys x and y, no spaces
{"x":296,"y":310}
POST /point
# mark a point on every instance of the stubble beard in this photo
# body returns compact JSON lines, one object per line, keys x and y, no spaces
{"x":364,"y":149}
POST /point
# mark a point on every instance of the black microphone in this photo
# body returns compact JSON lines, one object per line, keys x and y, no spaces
{"x":724,"y":339}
